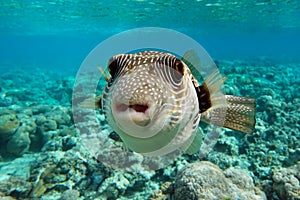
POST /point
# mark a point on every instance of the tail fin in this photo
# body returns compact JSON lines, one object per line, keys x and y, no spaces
{"x":240,"y":114}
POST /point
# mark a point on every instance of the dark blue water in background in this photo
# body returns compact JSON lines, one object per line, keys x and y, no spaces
{"x":59,"y":34}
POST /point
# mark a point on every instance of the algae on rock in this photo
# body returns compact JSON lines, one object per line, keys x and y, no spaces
{"x":19,"y":142}
{"x":9,"y":123}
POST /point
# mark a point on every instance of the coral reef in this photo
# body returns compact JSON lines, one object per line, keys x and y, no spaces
{"x":42,"y":156}
{"x":24,"y":129}
{"x":12,"y":186}
{"x":287,"y":182}
{"x":205,"y":180}
{"x":19,"y":142}
{"x":165,"y":192}
{"x":70,"y":195}
{"x":8,"y":124}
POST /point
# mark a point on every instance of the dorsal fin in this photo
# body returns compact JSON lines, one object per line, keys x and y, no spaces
{"x":193,"y":61}
{"x":209,"y":94}
{"x":106,"y":77}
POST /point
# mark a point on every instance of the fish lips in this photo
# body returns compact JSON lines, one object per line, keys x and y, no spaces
{"x":136,"y":113}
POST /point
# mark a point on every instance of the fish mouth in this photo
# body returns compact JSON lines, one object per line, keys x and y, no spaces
{"x":137,"y":113}
{"x":136,"y":107}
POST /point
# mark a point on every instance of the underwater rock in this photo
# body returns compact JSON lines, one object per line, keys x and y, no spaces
{"x":287,"y":182}
{"x":52,"y":145}
{"x":43,"y":167}
{"x":47,"y":125}
{"x":119,"y":185}
{"x":205,"y":180}
{"x":70,"y":195}
{"x":6,"y":101}
{"x":61,"y":115}
{"x":52,"y":118}
{"x":28,"y":123}
{"x":39,"y":109}
{"x":166,"y":190}
{"x":19,"y":142}
{"x":263,"y":101}
{"x":270,"y":76}
{"x":58,"y":171}
{"x":229,"y":149}
{"x":244,"y":182}
{"x":46,"y":131}
{"x":114,"y":186}
{"x":19,"y":167}
{"x":14,"y":187}
{"x":50,"y":135}
{"x":59,"y":143}
{"x":7,"y":198}
{"x":61,"y":90}
{"x":69,"y":142}
{"x":8,"y":124}
{"x":68,"y":131}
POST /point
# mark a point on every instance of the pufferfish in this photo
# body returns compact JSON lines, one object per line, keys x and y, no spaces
{"x":154,"y":103}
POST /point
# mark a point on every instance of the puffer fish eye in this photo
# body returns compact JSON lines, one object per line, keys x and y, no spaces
{"x":179,"y":71}
{"x":176,"y":68}
{"x":179,"y":66}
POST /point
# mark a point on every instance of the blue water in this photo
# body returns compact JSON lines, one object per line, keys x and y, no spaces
{"x":256,"y":44}
{"x":59,"y":34}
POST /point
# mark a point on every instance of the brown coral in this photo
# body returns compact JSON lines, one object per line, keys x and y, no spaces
{"x":8,"y":124}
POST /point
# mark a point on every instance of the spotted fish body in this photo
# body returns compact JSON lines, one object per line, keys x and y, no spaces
{"x":154,"y":103}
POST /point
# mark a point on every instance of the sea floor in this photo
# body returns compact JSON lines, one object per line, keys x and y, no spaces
{"x":41,"y":156}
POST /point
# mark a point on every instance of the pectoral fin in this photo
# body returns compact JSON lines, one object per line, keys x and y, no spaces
{"x":92,"y":102}
{"x":196,"y":144}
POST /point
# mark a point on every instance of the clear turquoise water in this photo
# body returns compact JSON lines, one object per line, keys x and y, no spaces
{"x":256,"y":44}
{"x":59,"y":34}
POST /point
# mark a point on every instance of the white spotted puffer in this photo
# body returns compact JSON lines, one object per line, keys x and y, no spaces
{"x":154,"y":103}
